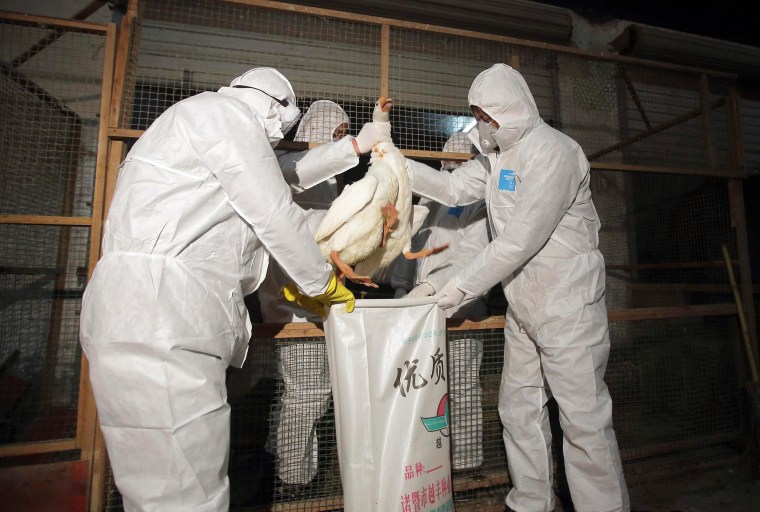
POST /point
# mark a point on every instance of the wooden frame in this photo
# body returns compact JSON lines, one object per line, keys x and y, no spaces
{"x":386,"y":24}
{"x":85,"y":414}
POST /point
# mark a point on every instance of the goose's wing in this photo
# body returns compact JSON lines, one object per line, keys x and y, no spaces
{"x":350,"y":202}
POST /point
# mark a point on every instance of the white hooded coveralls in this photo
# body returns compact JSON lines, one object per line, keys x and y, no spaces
{"x":544,"y":253}
{"x":303,"y":366}
{"x":200,"y":203}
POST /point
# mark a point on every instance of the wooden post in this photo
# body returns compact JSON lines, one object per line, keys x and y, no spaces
{"x":385,"y":58}
{"x":87,"y":422}
{"x":738,"y":213}
{"x":704,"y":105}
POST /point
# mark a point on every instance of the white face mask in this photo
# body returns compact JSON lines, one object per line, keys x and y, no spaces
{"x":273,"y":127}
{"x":288,"y":124}
{"x":487,"y":133}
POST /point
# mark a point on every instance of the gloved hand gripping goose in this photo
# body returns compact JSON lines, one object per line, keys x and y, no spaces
{"x":370,"y":223}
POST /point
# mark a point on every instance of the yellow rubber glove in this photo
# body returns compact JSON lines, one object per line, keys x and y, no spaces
{"x":335,"y":293}
{"x":313,"y":306}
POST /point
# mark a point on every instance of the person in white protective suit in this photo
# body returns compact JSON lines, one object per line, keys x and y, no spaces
{"x":535,"y":181}
{"x":200,"y":205}
{"x":303,"y":366}
{"x":464,"y":229}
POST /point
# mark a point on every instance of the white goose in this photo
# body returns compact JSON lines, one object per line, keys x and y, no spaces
{"x":370,"y":223}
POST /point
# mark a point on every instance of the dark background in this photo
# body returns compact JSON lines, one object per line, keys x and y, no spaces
{"x":732,"y":20}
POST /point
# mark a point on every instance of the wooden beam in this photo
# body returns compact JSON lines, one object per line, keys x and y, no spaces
{"x":633,"y":314}
{"x":87,"y":421}
{"x":424,"y":27}
{"x":680,"y":287}
{"x":612,"y":166}
{"x":297,"y":331}
{"x":385,"y":59}
{"x":19,"y":449}
{"x":126,"y":45}
{"x":676,"y":264}
{"x":707,"y":128}
{"x":124,"y":133}
{"x":48,"y":22}
{"x":46,"y":220}
{"x":289,"y":145}
{"x":657,"y":129}
{"x":492,"y":322}
{"x":635,"y":96}
{"x":55,"y":34}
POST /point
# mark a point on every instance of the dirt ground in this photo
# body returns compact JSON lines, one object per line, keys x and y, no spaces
{"x":709,"y":480}
{"x":716,"y":486}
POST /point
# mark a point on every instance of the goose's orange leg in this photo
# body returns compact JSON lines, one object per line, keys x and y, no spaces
{"x":390,"y":219}
{"x":425,"y":252}
{"x":346,"y":271}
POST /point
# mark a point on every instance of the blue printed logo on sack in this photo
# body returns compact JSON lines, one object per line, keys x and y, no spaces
{"x":439,"y":422}
{"x":507,"y":180}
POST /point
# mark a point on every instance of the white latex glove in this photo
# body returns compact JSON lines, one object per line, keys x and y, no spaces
{"x":450,"y":295}
{"x":421,"y":290}
{"x":399,"y":293}
{"x":370,"y":134}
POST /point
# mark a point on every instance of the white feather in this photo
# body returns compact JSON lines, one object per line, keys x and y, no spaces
{"x":353,"y":226}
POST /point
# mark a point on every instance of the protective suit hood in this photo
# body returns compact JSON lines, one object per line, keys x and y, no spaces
{"x":502,"y":93}
{"x":320,"y":121}
{"x":270,"y":94}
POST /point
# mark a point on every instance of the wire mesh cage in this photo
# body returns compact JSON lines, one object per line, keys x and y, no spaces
{"x":674,"y":380}
{"x":48,"y":143}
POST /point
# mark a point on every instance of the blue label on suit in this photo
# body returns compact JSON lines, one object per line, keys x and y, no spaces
{"x":507,"y":180}
{"x":456,"y":211}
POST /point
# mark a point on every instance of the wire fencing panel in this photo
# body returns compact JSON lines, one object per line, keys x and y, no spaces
{"x":674,"y":382}
{"x":50,"y":89}
{"x":189,"y":47}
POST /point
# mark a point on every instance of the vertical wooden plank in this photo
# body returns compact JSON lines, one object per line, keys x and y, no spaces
{"x":736,"y":142}
{"x":514,"y":62}
{"x":126,"y":46}
{"x":707,"y":127}
{"x":86,"y":414}
{"x":739,"y":222}
{"x":110,"y":155}
{"x":385,"y":58}
{"x":738,"y":214}
{"x":116,"y":153}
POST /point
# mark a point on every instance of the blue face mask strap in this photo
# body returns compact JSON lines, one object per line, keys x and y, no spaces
{"x":283,"y":103}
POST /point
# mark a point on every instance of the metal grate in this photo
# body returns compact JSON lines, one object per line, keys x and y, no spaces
{"x":50,"y":105}
{"x":190,"y":47}
{"x":42,"y":283}
{"x":50,"y":85}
